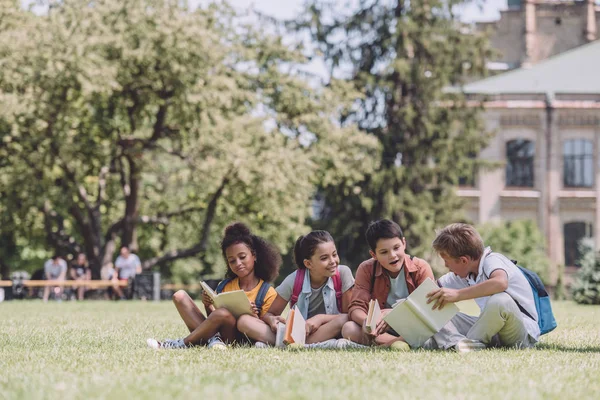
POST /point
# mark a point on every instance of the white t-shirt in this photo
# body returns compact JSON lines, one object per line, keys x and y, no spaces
{"x":127,"y":266}
{"x":518,"y":286}
{"x":398,"y":289}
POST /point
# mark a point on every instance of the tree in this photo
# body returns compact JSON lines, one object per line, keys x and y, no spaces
{"x":586,"y":289}
{"x":401,"y":56}
{"x":147,"y":119}
{"x":519,"y":240}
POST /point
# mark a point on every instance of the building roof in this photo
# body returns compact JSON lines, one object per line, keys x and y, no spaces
{"x":576,"y":71}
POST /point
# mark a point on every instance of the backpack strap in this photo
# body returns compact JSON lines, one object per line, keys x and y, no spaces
{"x":521,"y":308}
{"x":222,"y":284}
{"x":337,"y":285}
{"x":260,"y":297}
{"x":298,"y":282}
{"x":373,"y":278}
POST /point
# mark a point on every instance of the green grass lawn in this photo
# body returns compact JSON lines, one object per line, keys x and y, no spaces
{"x":98,"y":350}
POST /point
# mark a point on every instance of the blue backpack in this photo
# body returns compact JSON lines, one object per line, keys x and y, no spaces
{"x":546,"y":320}
{"x":260,"y":297}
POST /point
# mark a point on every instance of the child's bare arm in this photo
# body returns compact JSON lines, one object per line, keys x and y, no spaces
{"x":497,"y":283}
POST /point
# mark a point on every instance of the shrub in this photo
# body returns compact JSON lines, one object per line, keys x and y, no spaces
{"x":519,"y":240}
{"x":586,"y":289}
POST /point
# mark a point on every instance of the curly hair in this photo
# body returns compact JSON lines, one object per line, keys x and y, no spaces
{"x":268,"y":259}
{"x":306,"y":245}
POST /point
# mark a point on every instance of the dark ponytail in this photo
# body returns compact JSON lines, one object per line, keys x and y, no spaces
{"x":268,"y":259}
{"x":306,"y":245}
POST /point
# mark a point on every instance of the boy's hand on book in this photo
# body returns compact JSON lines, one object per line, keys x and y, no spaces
{"x":382,"y":327}
{"x":442,"y":296}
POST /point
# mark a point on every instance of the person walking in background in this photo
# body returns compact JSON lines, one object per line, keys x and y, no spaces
{"x":55,"y":269}
{"x":127,"y":266}
{"x":80,"y":271}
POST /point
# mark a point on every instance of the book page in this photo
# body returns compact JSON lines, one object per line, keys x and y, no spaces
{"x":373,"y":316}
{"x":280,"y":334}
{"x":434,"y":319}
{"x":236,"y":302}
{"x":208,"y":290}
{"x":415,"y":320}
{"x":406,"y":323}
{"x":298,"y":328}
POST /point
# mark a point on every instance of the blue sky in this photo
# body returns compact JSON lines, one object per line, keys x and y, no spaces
{"x":289,"y":8}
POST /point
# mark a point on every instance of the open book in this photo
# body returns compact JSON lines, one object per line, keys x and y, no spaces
{"x":236,"y":301}
{"x":293,"y":331}
{"x":415,"y":320}
{"x":373,"y":316}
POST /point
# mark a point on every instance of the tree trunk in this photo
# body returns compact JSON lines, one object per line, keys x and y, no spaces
{"x":4,"y":270}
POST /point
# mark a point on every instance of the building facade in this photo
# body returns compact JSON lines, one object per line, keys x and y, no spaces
{"x":546,"y":119}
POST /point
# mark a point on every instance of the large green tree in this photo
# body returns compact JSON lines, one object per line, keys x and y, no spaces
{"x":150,"y":124}
{"x":402,"y":56}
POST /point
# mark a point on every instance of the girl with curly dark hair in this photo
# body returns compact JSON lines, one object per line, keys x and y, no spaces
{"x":251,"y":264}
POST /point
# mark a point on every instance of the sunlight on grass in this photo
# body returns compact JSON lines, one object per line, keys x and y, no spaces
{"x":97,"y":350}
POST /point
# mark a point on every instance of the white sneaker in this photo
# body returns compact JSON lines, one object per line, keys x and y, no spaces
{"x":348,"y":344}
{"x":216,"y":343}
{"x":327,"y":344}
{"x":166,"y":344}
{"x":261,"y":345}
{"x":468,"y":345}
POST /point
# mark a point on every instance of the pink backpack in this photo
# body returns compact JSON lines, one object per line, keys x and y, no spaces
{"x":299,"y":281}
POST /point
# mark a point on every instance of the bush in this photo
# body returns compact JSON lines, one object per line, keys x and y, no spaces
{"x":586,"y":289}
{"x":519,"y":240}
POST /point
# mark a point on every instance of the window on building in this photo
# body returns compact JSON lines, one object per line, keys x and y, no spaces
{"x":469,"y":177}
{"x":519,"y":163}
{"x":578,"y":157}
{"x":573,"y":233}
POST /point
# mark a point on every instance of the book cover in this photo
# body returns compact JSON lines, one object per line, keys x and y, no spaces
{"x":373,"y":316}
{"x":235,"y":301}
{"x":415,"y":320}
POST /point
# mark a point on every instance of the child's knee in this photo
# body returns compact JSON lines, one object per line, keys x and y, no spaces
{"x":350,"y":330}
{"x":223,"y":316}
{"x":179,"y":296}
{"x":244,"y":322}
{"x":500,"y":301}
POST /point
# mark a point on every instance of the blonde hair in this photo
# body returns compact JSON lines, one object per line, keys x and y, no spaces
{"x":457,"y":240}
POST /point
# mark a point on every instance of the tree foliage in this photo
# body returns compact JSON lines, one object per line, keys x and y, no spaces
{"x":586,"y":289}
{"x":150,"y":124}
{"x":519,"y":240}
{"x":401,"y":56}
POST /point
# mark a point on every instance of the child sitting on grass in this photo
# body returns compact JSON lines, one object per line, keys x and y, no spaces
{"x":322,"y":304}
{"x":508,"y":312}
{"x":251,"y":263}
{"x":390,"y":275}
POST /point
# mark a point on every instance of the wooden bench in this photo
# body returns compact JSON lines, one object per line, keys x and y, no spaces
{"x":93,"y":284}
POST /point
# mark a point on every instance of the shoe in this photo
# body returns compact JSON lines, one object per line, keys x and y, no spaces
{"x":216,"y":343}
{"x":468,"y":345}
{"x":348,"y":344}
{"x":327,"y":344}
{"x":166,"y":344}
{"x":399,"y":345}
{"x":261,"y":345}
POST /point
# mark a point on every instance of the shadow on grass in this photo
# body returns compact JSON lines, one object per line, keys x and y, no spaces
{"x":557,"y":347}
